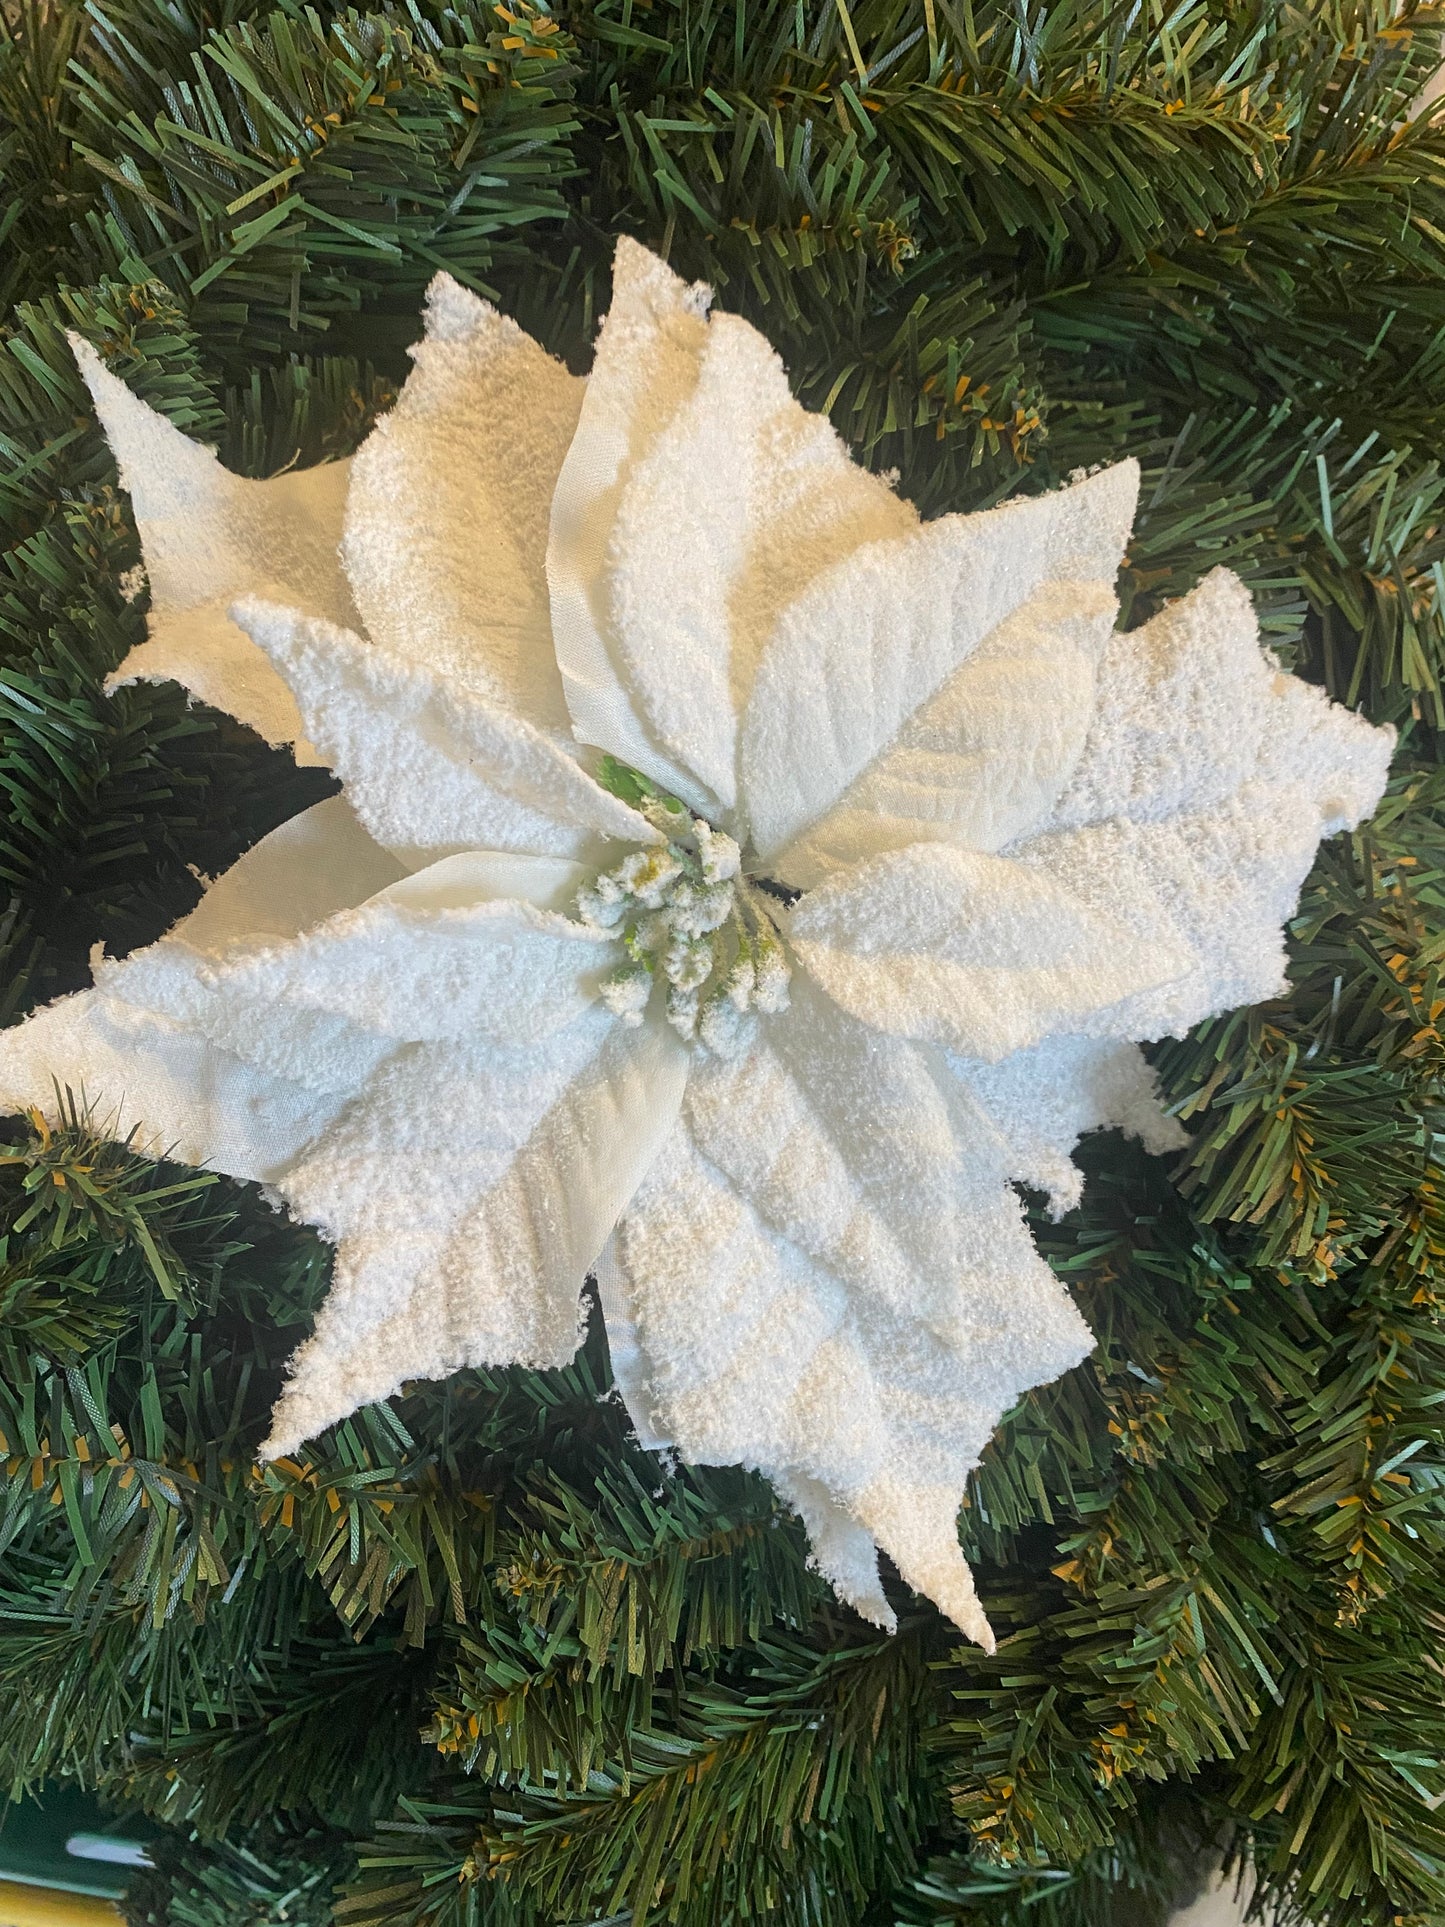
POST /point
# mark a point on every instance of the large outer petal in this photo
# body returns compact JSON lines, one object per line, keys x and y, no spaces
{"x":982,"y":953}
{"x":431,"y":769}
{"x":209,"y":536}
{"x":446,"y":522}
{"x":141,"y":1051}
{"x":1195,"y":810}
{"x":830,"y":1279}
{"x":1041,"y":1102}
{"x":697,"y":497}
{"x":469,"y":1189}
{"x":440,"y":955}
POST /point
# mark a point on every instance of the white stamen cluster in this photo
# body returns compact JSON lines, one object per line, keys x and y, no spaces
{"x":690,"y":919}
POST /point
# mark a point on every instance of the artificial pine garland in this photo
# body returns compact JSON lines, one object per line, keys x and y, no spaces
{"x":997,"y":244}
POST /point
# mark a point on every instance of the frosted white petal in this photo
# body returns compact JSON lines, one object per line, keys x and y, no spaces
{"x":469,"y":1189}
{"x":981,"y":953}
{"x":1199,"y":800}
{"x":982,"y":761}
{"x":860,"y":1156}
{"x":842,"y":1550}
{"x":1216,"y":886}
{"x":855,"y":655}
{"x":446,"y":524}
{"x":209,"y":536}
{"x":1190,"y":707}
{"x":159,"y":1083}
{"x":645,"y":367}
{"x":760,"y":1349}
{"x":152,"y":1051}
{"x":740,"y":501}
{"x":216,"y":662}
{"x":433,"y":958}
{"x":1041,"y":1102}
{"x":430,"y":769}
{"x":318,"y":864}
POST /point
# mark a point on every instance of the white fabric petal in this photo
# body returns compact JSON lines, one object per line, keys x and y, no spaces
{"x":981,"y":762}
{"x":1041,"y":1102}
{"x":844,"y":1551}
{"x":767,"y":1262}
{"x":319,"y":864}
{"x":1215,"y":888}
{"x":161,"y":1084}
{"x":697,"y":497}
{"x":830,"y":1220}
{"x":856,"y":654}
{"x":446,"y":522}
{"x":153,"y":1052}
{"x":435,"y":957}
{"x":1190,"y":707}
{"x":860,"y":1156}
{"x":316,"y":864}
{"x":981,"y":953}
{"x":653,"y":335}
{"x":209,"y":536}
{"x":430,"y":769}
{"x":469,"y":1190}
{"x":731,"y":499}
{"x":1197,"y":805}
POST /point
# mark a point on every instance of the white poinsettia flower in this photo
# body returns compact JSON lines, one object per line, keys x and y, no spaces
{"x":738,"y":886}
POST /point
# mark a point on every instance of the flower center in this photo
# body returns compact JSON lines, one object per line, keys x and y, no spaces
{"x":690,"y":919}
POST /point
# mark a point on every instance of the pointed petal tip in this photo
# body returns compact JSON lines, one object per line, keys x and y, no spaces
{"x":981,"y":1633}
{"x":959,"y":1602}
{"x":111,"y":398}
{"x":453,"y":313}
{"x":306,"y":1407}
{"x":636,"y":270}
{"x":876,"y":1610}
{"x":87,"y":356}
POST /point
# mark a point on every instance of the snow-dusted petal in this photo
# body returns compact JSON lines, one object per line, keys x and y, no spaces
{"x":1198,"y":803}
{"x":861,"y":1157}
{"x":1190,"y":707}
{"x":698,"y":498}
{"x":209,"y":536}
{"x":159,"y":1083}
{"x":849,"y":1207}
{"x":439,"y":955}
{"x":982,"y":761}
{"x":1041,"y":1102}
{"x":320,"y":863}
{"x":774,"y":1322}
{"x":468,"y":1191}
{"x":430,"y":769}
{"x":446,"y":522}
{"x":871,"y":640}
{"x":981,"y":953}
{"x":1214,"y":887}
{"x":153,"y":1051}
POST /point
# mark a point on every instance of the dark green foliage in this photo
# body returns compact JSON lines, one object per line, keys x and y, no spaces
{"x":473,"y":1659}
{"x":265,"y":1873}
